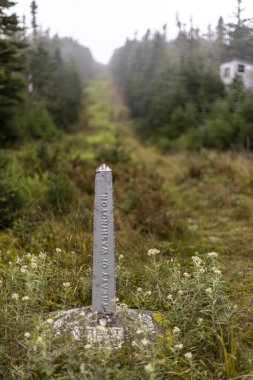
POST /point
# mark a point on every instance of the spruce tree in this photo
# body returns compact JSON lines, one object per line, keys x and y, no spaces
{"x":34,"y":9}
{"x":11,"y":72}
{"x":220,"y":43}
{"x":240,"y":35}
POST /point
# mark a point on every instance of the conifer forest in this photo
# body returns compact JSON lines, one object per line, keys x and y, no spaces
{"x":179,"y":141}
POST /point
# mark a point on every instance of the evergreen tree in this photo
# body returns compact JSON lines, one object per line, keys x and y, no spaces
{"x":220,"y":45}
{"x":240,"y":35}
{"x":169,"y":86}
{"x":34,"y":9}
{"x":11,"y":72}
{"x":55,"y":84}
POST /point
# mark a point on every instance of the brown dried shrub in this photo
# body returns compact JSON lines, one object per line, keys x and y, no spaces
{"x":139,"y":199}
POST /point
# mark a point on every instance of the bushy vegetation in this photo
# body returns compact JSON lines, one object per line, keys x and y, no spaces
{"x":162,"y":201}
{"x":199,"y":333}
{"x":174,"y":91}
{"x":55,"y":182}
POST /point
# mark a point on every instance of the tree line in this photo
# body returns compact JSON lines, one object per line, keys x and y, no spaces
{"x":174,"y":91}
{"x":42,"y":80}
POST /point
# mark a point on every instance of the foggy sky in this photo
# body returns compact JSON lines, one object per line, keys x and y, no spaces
{"x":104,"y":25}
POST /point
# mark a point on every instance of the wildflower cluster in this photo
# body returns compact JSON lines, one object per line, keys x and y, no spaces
{"x":188,"y":303}
{"x":153,"y":252}
{"x":192,"y":300}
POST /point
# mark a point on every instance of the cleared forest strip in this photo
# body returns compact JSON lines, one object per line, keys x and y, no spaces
{"x":209,"y":205}
{"x":178,"y":204}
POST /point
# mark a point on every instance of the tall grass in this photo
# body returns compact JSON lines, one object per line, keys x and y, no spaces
{"x":199,"y":337}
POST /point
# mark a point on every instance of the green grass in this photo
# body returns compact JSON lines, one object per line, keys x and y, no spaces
{"x":180,"y":204}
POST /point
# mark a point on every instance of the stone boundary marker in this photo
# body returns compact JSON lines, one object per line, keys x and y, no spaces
{"x":103,"y":324}
{"x":103,"y":284}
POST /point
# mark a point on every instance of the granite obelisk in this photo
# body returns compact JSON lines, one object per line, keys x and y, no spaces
{"x":103,"y":280}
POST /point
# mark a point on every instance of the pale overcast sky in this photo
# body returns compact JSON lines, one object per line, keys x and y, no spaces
{"x":104,"y":25}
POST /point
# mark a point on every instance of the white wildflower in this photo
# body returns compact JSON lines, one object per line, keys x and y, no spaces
{"x":197,"y":261}
{"x":179,"y":346}
{"x":139,"y":289}
{"x":217,"y":271}
{"x":24,"y":269}
{"x":180,"y":292}
{"x":33,"y":264}
{"x":200,"y":320}
{"x":25,"y":298}
{"x":139,"y":331}
{"x":18,"y":261}
{"x":188,"y":355}
{"x":121,"y":257}
{"x":66,"y":285}
{"x":213,"y":255}
{"x":148,"y":292}
{"x":58,"y":250}
{"x":42,"y":255}
{"x":209,"y":291}
{"x":153,"y":252}
{"x":176,"y":330}
{"x":15,"y":296}
{"x":149,"y":368}
{"x":50,"y":321}
{"x":169,"y":297}
{"x":27,"y":335}
{"x":145,"y":342}
{"x":202,"y":270}
{"x":29,"y":255}
{"x":187,"y":275}
{"x":235,"y":307}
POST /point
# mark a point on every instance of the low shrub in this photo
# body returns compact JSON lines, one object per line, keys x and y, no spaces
{"x":60,"y":193}
{"x":11,"y":191}
{"x":11,"y":201}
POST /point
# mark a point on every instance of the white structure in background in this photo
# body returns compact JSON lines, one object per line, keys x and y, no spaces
{"x":229,"y":69}
{"x":30,"y":83}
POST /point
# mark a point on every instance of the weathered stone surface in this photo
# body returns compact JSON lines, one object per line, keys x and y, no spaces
{"x":107,"y":331}
{"x":103,"y":280}
{"x":112,"y":337}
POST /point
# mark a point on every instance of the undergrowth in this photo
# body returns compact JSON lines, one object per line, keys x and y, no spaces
{"x":181,"y":203}
{"x":200,"y":337}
